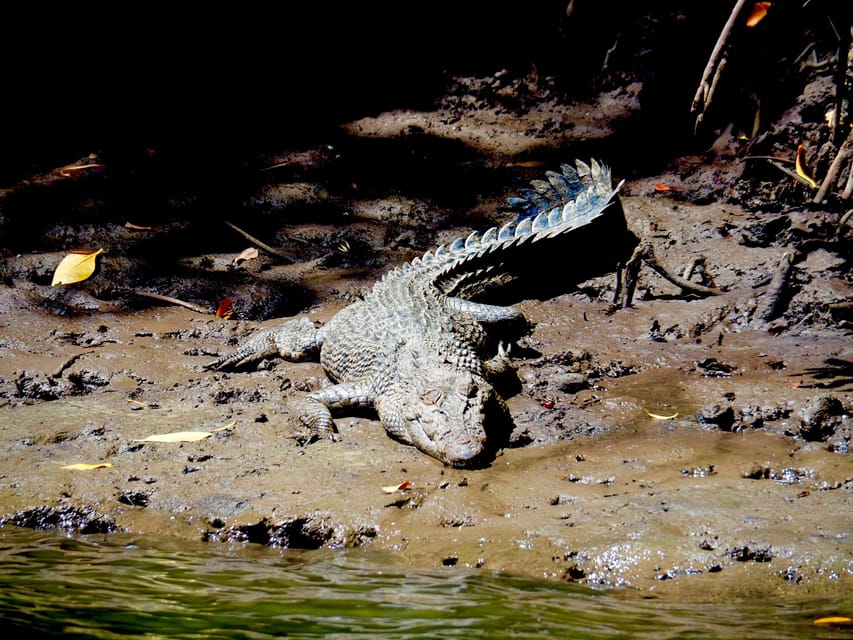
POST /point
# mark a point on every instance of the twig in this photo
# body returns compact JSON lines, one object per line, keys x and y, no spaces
{"x":834,"y":168}
{"x":650,"y":259}
{"x":772,"y":299}
{"x":847,"y":305}
{"x":157,"y":296}
{"x":627,"y":283}
{"x":793,"y":174}
{"x":617,"y":292}
{"x":844,"y":219}
{"x":704,"y":92}
{"x":691,"y":267}
{"x":632,"y":271}
{"x":776,"y":158}
{"x":756,"y":121}
{"x":261,"y":245}
{"x":609,"y":53}
{"x":841,"y":82}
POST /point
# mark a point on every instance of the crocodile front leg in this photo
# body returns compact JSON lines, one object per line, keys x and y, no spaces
{"x":293,"y":340}
{"x":314,"y":409}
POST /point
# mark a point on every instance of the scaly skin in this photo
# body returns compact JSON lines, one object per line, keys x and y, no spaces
{"x":414,"y":351}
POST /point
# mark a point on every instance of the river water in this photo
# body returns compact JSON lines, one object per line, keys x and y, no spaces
{"x":119,"y":586}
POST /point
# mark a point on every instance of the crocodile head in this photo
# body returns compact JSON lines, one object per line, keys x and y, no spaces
{"x":455,"y":416}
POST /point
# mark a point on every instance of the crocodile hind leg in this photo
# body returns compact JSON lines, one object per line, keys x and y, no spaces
{"x":292,"y":340}
{"x":484,"y":313}
{"x":314,"y":409}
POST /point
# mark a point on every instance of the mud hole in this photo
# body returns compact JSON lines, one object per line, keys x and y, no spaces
{"x":686,"y":444}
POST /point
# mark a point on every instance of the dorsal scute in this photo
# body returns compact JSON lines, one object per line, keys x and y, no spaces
{"x":555,"y":216}
{"x":564,"y":201}
{"x":540,"y":222}
{"x":524,"y":228}
{"x":541,"y":186}
{"x":506,"y":232}
{"x":457,"y":246}
{"x":558,"y":182}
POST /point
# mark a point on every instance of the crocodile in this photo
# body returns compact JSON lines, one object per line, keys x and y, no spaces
{"x":416,"y":350}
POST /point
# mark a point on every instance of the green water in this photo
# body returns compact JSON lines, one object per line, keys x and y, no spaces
{"x":122,"y":587}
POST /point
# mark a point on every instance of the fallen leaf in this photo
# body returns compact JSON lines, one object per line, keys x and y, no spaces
{"x":393,"y":488}
{"x":177,"y":436}
{"x":82,"y":466}
{"x":664,"y":188}
{"x":75,"y":267}
{"x":225,"y":309}
{"x":184,"y":436}
{"x":759,"y":10}
{"x":794,"y":383}
{"x":800,"y":166}
{"x":136,"y":227}
{"x":527,"y":164}
{"x":247,"y":254}
{"x":137,"y":404}
{"x":657,"y":416}
{"x":72,"y":169}
{"x":839,"y":620}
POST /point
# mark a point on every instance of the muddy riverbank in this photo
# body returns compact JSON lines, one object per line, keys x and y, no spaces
{"x":692,"y":443}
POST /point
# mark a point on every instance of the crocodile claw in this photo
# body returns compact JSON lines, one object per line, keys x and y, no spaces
{"x":262,"y":345}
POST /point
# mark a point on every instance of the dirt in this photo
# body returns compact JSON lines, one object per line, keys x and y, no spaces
{"x":687,"y":444}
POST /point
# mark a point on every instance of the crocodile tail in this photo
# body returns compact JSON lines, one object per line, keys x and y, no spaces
{"x":565,"y":201}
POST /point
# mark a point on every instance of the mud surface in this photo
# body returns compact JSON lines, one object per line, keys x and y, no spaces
{"x":689,"y":444}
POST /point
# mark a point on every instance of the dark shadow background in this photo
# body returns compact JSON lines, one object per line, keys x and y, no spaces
{"x":209,"y":83}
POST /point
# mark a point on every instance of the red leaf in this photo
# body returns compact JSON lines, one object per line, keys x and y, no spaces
{"x":759,"y":10}
{"x":225,"y":309}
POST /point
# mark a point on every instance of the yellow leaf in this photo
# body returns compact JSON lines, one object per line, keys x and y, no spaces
{"x":800,"y":166}
{"x":185,"y":436}
{"x":658,"y":416}
{"x":75,"y":267}
{"x":83,"y":466}
{"x":838,"y":620}
{"x":178,"y":436}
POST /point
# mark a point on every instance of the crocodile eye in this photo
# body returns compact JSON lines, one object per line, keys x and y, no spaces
{"x":468,"y":390}
{"x":431,"y":396}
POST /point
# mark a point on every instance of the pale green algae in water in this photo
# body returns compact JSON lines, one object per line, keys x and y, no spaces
{"x":121,"y":587}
